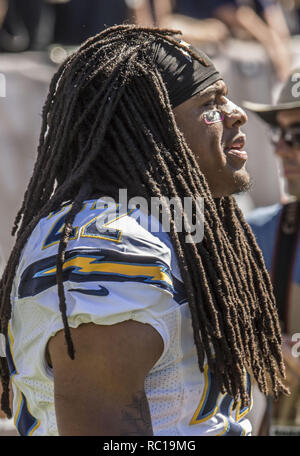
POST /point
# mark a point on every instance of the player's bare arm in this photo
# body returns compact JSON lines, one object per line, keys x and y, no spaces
{"x":101,"y":391}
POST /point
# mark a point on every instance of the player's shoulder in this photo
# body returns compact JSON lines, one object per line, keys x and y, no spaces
{"x":114,"y":270}
{"x":263,"y":216}
{"x":100,"y":225}
{"x":107,"y":243}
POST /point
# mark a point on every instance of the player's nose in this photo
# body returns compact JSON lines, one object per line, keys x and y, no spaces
{"x":235,"y":116}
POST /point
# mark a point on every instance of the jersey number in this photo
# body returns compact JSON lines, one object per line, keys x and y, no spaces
{"x":90,"y":229}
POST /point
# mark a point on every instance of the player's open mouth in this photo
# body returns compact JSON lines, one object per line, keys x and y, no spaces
{"x":235,"y":152}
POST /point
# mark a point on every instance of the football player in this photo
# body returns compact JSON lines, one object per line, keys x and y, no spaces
{"x":114,"y":327}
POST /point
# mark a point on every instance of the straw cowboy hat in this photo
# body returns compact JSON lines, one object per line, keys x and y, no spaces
{"x":289,"y":99}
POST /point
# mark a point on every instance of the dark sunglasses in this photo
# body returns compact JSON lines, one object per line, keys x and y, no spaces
{"x":291,"y":136}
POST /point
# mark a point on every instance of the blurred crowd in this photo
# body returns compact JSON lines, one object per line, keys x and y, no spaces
{"x":254,"y":43}
{"x":36,"y":24}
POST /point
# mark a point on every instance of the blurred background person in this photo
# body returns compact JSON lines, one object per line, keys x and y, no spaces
{"x":217,"y":20}
{"x":26,"y":25}
{"x":263,"y":21}
{"x":3,"y":11}
{"x":291,"y":10}
{"x":35,"y":24}
{"x":77,"y":20}
{"x":277,"y":230}
{"x":194,"y":18}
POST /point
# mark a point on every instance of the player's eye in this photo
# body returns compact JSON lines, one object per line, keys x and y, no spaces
{"x":213,"y":117}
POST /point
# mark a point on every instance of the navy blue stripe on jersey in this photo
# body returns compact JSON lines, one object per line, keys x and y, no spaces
{"x":89,"y":265}
{"x":225,"y":407}
{"x":209,"y":406}
{"x":11,"y":365}
{"x":213,"y":402}
{"x":92,"y":230}
{"x":25,"y":423}
{"x":100,"y":291}
{"x":179,"y":293}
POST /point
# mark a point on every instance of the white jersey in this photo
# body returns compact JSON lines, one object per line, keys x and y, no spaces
{"x":113,"y":272}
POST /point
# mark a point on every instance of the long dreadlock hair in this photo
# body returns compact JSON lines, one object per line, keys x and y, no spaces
{"x":96,"y":138}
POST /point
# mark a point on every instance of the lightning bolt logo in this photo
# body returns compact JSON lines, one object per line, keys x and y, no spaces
{"x":95,"y":265}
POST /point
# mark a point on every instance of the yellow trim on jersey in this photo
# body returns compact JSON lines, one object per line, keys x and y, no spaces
{"x":87,"y":265}
{"x":38,"y":421}
{"x":129,"y":212}
{"x":218,"y":401}
{"x":34,"y":428}
{"x":194,"y":419}
{"x":21,"y":400}
{"x":99,"y":236}
{"x":106,"y":238}
{"x":225,"y":428}
{"x":11,"y":341}
{"x":93,"y":206}
{"x":19,"y":392}
{"x":53,"y":214}
{"x":16,"y":417}
{"x":75,"y":228}
{"x":247,"y":409}
{"x":52,"y":226}
{"x":56,"y":242}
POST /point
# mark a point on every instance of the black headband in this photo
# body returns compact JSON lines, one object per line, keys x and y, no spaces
{"x":183,"y":75}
